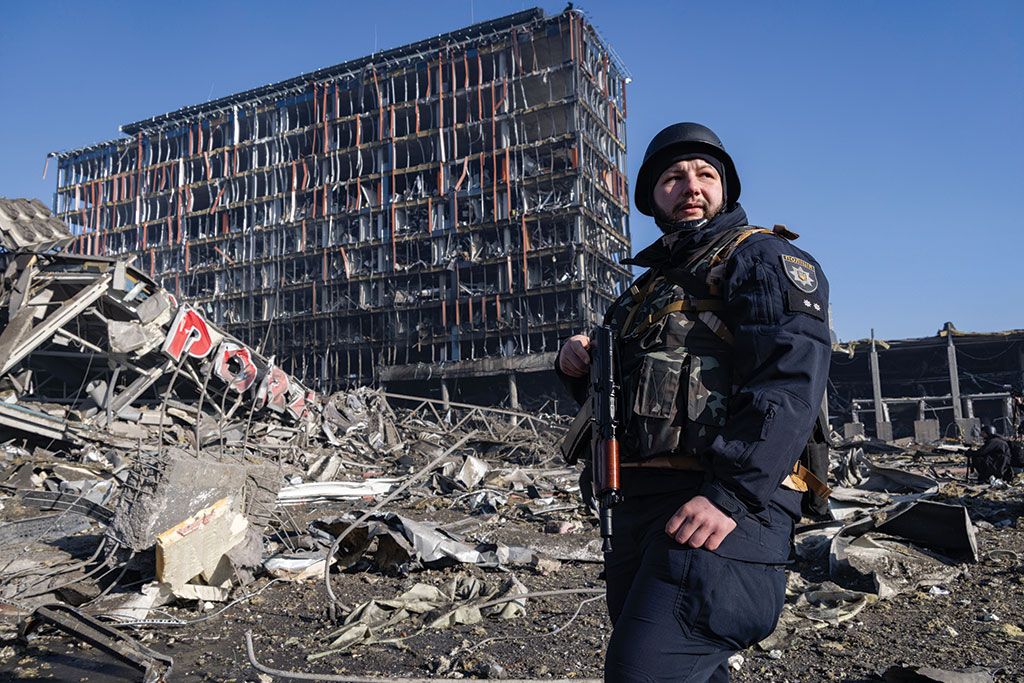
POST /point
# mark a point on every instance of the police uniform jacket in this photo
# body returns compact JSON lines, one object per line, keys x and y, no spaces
{"x":724,"y":349}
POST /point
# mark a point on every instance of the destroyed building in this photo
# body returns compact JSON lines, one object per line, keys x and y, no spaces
{"x":948,"y":385}
{"x":450,"y":208}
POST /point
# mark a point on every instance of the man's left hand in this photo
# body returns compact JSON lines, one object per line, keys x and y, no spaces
{"x":699,"y":524}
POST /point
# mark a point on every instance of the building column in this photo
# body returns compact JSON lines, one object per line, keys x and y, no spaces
{"x":883,"y":428}
{"x":954,"y":375}
{"x":969,"y":426}
{"x":513,"y":391}
{"x":513,"y":395}
{"x":444,"y":395}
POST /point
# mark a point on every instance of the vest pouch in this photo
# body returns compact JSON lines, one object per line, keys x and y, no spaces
{"x":707,"y":397}
{"x":707,"y":401}
{"x":654,"y":422}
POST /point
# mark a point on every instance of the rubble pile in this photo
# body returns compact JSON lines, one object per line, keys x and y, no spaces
{"x":150,"y":460}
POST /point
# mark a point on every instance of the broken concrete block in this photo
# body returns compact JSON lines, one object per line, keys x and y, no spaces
{"x":970,"y":429}
{"x":263,"y":479}
{"x":883,"y":431}
{"x":129,"y":337}
{"x":161,"y":492}
{"x":196,"y":545}
{"x":926,"y":431}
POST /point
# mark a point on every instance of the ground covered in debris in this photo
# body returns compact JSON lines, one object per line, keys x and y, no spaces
{"x":921,"y":628}
{"x":458,"y":549}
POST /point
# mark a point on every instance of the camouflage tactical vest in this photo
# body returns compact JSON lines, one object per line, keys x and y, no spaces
{"x":675,"y":353}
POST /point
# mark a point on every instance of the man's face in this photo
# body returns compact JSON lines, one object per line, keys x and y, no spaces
{"x":688,"y":190}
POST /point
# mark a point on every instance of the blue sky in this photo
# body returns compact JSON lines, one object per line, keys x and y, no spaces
{"x":889,"y":134}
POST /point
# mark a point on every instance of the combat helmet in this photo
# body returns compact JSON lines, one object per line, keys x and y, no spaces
{"x":673,"y":142}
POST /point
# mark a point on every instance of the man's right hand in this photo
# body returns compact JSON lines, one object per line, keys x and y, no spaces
{"x":573,"y":358}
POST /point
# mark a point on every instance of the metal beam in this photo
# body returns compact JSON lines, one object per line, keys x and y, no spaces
{"x":31,"y":340}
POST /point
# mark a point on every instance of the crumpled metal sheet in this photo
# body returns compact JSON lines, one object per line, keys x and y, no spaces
{"x":896,"y":547}
{"x":815,"y":606}
{"x":430,"y":607}
{"x":426,"y":543}
{"x":315,"y":491}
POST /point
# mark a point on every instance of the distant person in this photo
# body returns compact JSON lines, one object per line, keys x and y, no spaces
{"x":724,"y":349}
{"x":993,"y":458}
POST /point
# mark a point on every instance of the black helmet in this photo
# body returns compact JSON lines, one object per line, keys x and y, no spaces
{"x":990,"y":430}
{"x":677,"y":140}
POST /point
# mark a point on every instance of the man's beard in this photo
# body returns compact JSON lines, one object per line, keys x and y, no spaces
{"x":678,"y":214}
{"x":678,"y":217}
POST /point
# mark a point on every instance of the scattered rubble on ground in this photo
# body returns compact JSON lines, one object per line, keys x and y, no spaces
{"x":165,"y":489}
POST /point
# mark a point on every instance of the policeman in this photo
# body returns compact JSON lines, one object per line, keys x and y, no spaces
{"x":723,"y":354}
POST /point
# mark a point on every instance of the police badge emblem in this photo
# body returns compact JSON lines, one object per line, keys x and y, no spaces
{"x":800,"y":273}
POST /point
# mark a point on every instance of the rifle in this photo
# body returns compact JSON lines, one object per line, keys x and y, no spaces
{"x":596,"y":425}
{"x":604,"y":443}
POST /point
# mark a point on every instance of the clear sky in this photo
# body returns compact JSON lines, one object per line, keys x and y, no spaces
{"x":889,"y":134}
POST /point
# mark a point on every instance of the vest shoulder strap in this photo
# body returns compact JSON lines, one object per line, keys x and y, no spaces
{"x":716,"y":260}
{"x":713,"y":258}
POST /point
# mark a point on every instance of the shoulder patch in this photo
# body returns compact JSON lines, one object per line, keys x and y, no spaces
{"x":798,"y":302}
{"x":800,"y":272}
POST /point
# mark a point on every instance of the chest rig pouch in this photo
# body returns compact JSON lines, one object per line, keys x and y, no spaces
{"x":675,"y":354}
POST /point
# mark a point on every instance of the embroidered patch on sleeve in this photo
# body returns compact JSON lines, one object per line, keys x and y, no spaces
{"x":798,"y":302}
{"x":800,"y":272}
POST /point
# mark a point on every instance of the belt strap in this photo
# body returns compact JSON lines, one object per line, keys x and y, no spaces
{"x":725,"y":253}
{"x":667,"y":462}
{"x":717,"y":326}
{"x":638,"y":296}
{"x":801,"y":479}
{"x":701,"y":305}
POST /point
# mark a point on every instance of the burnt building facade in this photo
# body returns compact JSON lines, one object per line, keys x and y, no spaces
{"x":450,"y":208}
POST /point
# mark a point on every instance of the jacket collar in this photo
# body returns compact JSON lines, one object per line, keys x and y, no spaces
{"x":670,"y":246}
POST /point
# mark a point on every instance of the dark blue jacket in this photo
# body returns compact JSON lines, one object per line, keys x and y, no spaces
{"x":782,"y":349}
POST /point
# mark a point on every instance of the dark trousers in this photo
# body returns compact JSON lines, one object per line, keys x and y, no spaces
{"x":679,"y":613}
